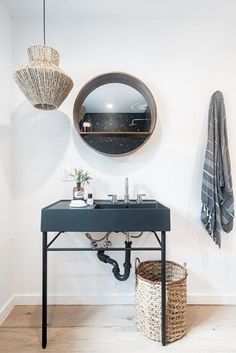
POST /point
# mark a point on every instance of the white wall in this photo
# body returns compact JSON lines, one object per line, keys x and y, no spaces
{"x":6,"y":211}
{"x":183,"y":62}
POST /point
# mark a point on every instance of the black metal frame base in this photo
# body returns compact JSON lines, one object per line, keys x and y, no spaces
{"x":47,"y":247}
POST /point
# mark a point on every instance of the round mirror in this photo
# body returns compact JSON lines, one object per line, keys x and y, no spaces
{"x":115,"y":113}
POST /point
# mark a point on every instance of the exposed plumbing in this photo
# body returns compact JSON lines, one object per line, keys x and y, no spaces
{"x":94,"y":241}
{"x":137,"y":236}
{"x":107,"y":259}
{"x":116,"y":269}
{"x":107,"y":243}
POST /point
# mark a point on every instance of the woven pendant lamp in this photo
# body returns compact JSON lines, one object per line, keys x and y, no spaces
{"x":42,"y":81}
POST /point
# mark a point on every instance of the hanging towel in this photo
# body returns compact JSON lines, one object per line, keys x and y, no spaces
{"x":217,"y":193}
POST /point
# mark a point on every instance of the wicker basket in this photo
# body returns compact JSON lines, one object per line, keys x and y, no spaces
{"x":148,"y":299}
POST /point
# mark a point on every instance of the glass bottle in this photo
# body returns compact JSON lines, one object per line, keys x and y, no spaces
{"x":78,"y":192}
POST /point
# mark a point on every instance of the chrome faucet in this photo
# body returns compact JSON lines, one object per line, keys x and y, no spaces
{"x":126,"y":197}
{"x":113,"y":198}
{"x":140,"y":198}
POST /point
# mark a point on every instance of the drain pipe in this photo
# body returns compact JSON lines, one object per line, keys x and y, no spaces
{"x":116,"y":269}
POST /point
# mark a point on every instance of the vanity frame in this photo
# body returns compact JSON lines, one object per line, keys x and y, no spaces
{"x":47,"y":247}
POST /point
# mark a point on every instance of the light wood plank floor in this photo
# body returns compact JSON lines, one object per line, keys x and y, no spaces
{"x":111,"y":329}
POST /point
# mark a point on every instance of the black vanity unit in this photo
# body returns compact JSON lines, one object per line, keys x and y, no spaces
{"x":103,"y":216}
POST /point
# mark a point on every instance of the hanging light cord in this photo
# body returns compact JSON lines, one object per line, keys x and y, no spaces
{"x":44,"y":23}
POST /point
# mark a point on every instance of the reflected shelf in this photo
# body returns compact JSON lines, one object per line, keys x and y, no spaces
{"x":118,"y":133}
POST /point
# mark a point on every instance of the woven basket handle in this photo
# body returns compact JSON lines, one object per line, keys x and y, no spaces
{"x":137,"y":263}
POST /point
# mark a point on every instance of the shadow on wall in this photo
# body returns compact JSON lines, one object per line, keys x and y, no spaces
{"x":40,"y":139}
{"x":119,"y":165}
{"x":5,"y":153}
{"x":189,"y":242}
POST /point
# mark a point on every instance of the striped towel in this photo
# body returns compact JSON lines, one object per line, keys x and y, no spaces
{"x":217,"y":193}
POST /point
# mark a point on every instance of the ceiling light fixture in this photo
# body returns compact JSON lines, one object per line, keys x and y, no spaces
{"x":42,"y":81}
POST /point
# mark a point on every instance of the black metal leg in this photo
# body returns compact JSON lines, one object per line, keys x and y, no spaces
{"x":163,"y":288}
{"x":44,"y":291}
{"x":45,"y":249}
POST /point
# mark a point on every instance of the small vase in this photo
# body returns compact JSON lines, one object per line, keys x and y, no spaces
{"x":78,"y":192}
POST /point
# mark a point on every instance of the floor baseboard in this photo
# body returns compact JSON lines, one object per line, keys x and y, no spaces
{"x":6,"y":309}
{"x":211,"y":299}
{"x":67,"y":299}
{"x":114,"y":299}
{"x":119,"y":299}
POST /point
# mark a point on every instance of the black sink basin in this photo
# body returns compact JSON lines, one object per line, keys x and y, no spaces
{"x":106,"y":217}
{"x":131,"y":204}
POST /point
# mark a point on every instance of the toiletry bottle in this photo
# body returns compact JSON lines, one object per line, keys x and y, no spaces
{"x":86,"y":126}
{"x":90,"y":200}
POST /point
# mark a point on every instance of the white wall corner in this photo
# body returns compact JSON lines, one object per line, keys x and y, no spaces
{"x":6,"y":200}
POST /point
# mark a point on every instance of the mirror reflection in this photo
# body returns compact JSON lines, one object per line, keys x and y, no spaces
{"x":115,"y":107}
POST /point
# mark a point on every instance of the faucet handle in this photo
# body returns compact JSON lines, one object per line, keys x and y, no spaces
{"x":113,"y":198}
{"x":140,"y":198}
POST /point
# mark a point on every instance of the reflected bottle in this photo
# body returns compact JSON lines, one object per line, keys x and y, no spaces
{"x":86,"y":126}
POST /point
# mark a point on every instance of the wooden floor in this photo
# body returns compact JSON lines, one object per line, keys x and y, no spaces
{"x":111,"y":329}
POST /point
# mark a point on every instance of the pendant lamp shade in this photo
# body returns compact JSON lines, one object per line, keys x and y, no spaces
{"x":42,"y":81}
